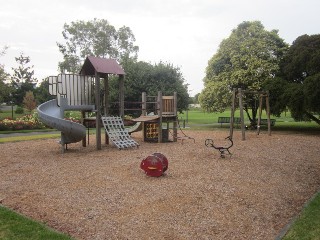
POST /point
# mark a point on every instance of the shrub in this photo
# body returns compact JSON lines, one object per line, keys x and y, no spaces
{"x":19,"y":110}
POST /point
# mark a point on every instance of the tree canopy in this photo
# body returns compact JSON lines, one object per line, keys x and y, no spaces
{"x":41,"y":93}
{"x":151,"y":78}
{"x":4,"y":86}
{"x":100,"y":39}
{"x":246,"y":59}
{"x":94,"y":38}
{"x":298,"y":84}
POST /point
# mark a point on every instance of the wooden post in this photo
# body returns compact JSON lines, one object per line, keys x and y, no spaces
{"x":159,"y":109}
{"x":84,"y":140}
{"x":241,"y":114}
{"x":144,"y":113}
{"x":268,"y":113}
{"x":106,"y":96}
{"x":175,"y":110}
{"x":98,"y":111}
{"x":175,"y":121}
{"x":259,"y":114}
{"x":232,"y":112}
{"x":121,"y":96}
{"x":144,"y":104}
{"x":106,"y":105}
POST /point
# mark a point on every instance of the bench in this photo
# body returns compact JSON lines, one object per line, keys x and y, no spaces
{"x":221,"y":120}
{"x":237,"y":120}
{"x":265,"y":122}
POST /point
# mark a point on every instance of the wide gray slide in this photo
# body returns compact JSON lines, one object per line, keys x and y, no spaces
{"x":53,"y":115}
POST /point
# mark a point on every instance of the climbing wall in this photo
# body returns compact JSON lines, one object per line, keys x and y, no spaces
{"x":117,"y":133}
{"x":151,"y":132}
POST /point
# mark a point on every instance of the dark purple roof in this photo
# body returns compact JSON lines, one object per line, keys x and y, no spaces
{"x":101,"y":65}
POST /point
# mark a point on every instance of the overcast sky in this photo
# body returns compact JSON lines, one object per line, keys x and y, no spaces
{"x":184,"y":33}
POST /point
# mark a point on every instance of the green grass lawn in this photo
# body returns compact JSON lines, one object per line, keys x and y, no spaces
{"x":14,"y":226}
{"x":8,"y":114}
{"x":307,"y":226}
{"x":29,"y":137}
{"x":197,"y":119}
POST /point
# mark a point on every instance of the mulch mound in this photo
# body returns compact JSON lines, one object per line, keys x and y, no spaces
{"x":104,"y":194}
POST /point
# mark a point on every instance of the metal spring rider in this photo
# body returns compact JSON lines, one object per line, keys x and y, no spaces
{"x":222,"y":150}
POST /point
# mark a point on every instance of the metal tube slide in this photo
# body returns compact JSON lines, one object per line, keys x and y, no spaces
{"x":52,"y":115}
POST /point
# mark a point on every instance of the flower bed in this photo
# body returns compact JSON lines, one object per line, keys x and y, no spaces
{"x":27,"y":122}
{"x":30,"y":121}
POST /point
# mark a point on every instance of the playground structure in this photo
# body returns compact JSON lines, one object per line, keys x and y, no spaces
{"x":239,"y":94}
{"x":89,"y":92}
{"x":158,"y":112}
{"x":164,"y":109}
{"x":86,"y":92}
{"x":117,"y":133}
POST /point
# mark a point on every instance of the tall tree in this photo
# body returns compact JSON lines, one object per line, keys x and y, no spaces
{"x":246,"y":59}
{"x":101,"y":39}
{"x":42,"y":92}
{"x":4,"y":86}
{"x":151,"y":78}
{"x":22,"y":79}
{"x":94,"y":38}
{"x":29,"y":101}
{"x":298,"y":85}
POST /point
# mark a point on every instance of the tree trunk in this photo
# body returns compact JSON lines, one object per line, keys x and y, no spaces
{"x":309,"y":115}
{"x":253,"y":117}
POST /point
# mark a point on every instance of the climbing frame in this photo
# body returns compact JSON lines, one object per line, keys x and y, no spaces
{"x":117,"y":133}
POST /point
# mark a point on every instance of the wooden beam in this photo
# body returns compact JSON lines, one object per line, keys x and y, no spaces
{"x":259,"y":114}
{"x":98,"y":111}
{"x":175,"y":122}
{"x":121,"y":96}
{"x":159,"y":108}
{"x":106,"y":96}
{"x":232,"y":112}
{"x":241,"y":114}
{"x":268,"y":113}
{"x":84,"y":140}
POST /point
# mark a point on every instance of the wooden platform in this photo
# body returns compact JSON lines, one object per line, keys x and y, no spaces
{"x":146,"y":118}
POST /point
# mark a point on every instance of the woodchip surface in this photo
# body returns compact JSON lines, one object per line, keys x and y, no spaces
{"x":104,"y":194}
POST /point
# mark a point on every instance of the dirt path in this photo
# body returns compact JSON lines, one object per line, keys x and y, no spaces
{"x":104,"y":194}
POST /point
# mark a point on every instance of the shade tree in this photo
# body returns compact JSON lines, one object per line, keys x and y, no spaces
{"x":246,"y":59}
{"x":297,"y":86}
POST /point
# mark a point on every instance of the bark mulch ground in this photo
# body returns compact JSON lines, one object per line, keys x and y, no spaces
{"x":104,"y":194}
